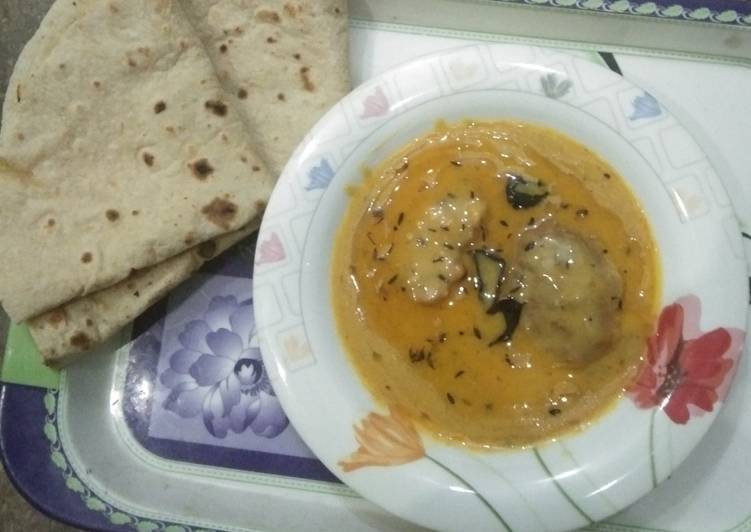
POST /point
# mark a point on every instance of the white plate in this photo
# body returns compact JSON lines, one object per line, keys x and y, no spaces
{"x":578,"y":479}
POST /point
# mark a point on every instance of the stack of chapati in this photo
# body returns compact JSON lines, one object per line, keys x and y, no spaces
{"x":141,"y":138}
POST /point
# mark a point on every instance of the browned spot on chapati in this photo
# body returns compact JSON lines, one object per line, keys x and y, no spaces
{"x":207,"y":250}
{"x":337,"y":11}
{"x":242,"y":94}
{"x":81,"y":341}
{"x":97,"y":84}
{"x":217,"y":107}
{"x":307,"y":83}
{"x":281,"y":97}
{"x":112,"y":215}
{"x":132,"y":63}
{"x":20,"y":136}
{"x":270,"y":40}
{"x":148,"y":158}
{"x":57,"y":316}
{"x":89,"y":322}
{"x":256,"y":168}
{"x":201,"y":169}
{"x":18,"y":93}
{"x":267,"y":16}
{"x":135,"y":213}
{"x":160,"y":106}
{"x":86,"y":258}
{"x":188,"y":239}
{"x":220,"y":212}
{"x":297,"y":56}
{"x":51,"y":222}
{"x":223,"y":48}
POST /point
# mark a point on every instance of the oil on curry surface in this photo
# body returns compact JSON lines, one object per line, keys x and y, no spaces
{"x":496,"y":281}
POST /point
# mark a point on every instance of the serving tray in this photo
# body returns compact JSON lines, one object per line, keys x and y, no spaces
{"x":119,"y":446}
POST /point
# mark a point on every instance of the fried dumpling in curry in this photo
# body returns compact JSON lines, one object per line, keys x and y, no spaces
{"x":571,"y":293}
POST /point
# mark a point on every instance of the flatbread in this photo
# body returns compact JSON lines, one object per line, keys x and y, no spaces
{"x":84,"y":323}
{"x":119,"y":149}
{"x":286,"y":63}
{"x":277,"y":124}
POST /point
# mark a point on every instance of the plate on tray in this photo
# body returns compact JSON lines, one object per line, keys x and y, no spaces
{"x":577,"y":479}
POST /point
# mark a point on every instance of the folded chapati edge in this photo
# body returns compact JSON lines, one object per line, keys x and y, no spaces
{"x":77,"y":327}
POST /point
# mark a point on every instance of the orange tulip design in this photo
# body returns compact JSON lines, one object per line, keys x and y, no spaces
{"x":385,"y":441}
{"x":392,"y":440}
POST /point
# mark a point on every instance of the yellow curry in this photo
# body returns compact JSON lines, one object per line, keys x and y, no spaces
{"x":495,"y":280}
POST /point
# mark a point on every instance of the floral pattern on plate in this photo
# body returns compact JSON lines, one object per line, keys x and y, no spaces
{"x":685,"y":371}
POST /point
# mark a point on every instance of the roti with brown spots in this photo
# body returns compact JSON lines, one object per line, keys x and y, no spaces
{"x":285,"y":63}
{"x":114,"y":108}
{"x":277,"y":102}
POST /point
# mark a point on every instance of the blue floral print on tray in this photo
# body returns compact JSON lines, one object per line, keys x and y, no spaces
{"x":212,"y":385}
{"x":196,"y":389}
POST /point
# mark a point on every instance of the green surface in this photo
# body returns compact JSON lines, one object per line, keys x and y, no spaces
{"x":22,"y":363}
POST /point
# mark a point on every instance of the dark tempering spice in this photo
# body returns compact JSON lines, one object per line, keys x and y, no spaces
{"x":458,"y":373}
{"x":416,"y":356}
{"x":477,"y":333}
{"x":450,"y":398}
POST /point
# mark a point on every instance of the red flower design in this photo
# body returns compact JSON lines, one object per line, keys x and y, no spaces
{"x":684,"y":367}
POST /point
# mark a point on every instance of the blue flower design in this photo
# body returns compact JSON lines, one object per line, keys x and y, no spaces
{"x":320,"y":176}
{"x":218,"y":375}
{"x":645,"y":106}
{"x":553,"y":88}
